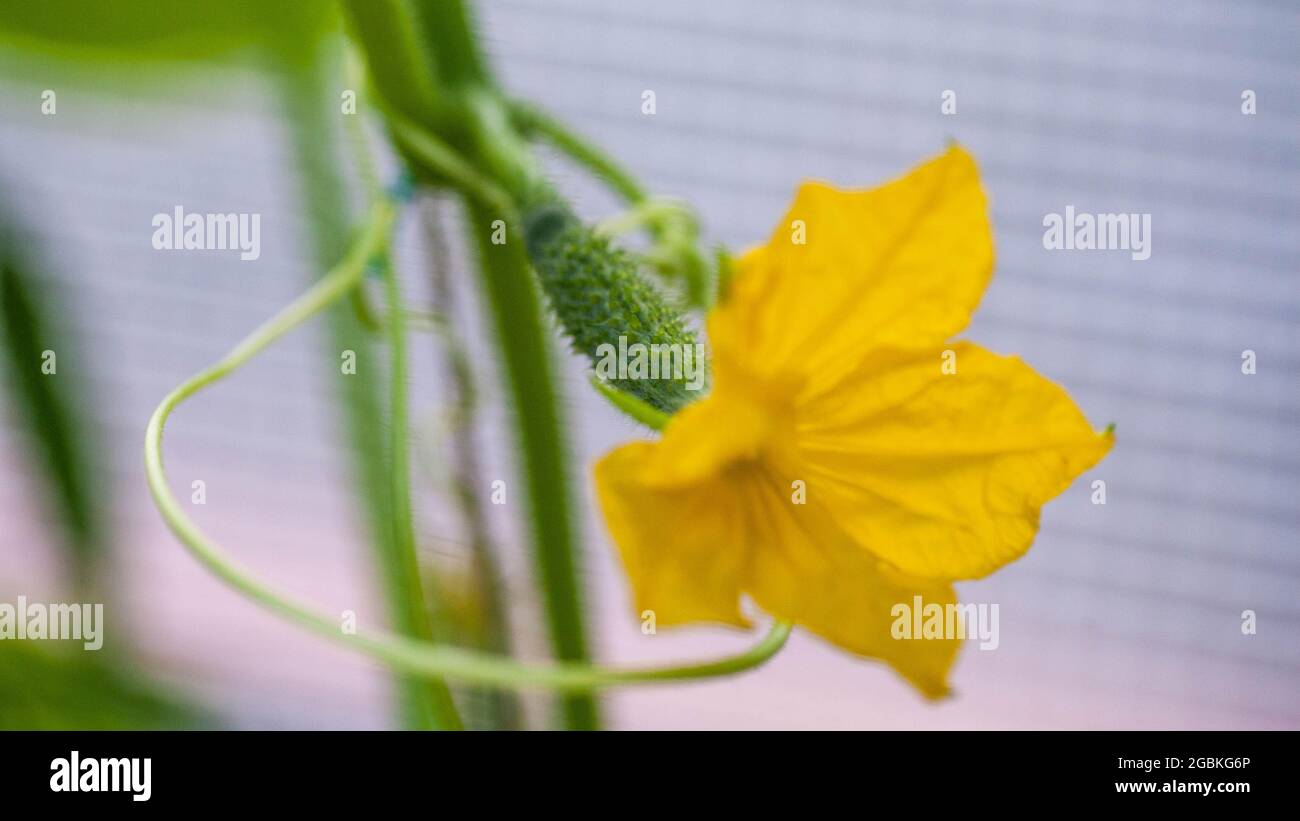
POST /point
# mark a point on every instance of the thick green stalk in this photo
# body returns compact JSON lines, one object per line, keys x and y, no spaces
{"x":448,"y":28}
{"x":425,"y":704}
{"x":525,"y":346}
{"x":502,"y":709}
{"x":480,"y":127}
{"x":398,"y":64}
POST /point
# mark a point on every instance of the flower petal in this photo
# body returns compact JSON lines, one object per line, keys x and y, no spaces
{"x":942,"y":475}
{"x":702,"y":439}
{"x":682,"y":546}
{"x":691,"y":551}
{"x":809,"y":572}
{"x":903,"y":266}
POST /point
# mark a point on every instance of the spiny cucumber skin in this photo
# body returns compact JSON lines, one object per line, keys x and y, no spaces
{"x":598,"y":296}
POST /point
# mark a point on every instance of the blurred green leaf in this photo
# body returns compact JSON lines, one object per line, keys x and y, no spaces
{"x":49,"y":686}
{"x":59,"y":437}
{"x":164,"y":29}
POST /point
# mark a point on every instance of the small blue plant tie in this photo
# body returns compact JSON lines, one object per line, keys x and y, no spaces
{"x":402,"y":188}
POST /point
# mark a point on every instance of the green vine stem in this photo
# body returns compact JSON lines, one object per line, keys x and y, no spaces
{"x":400,"y":472}
{"x":480,"y":128}
{"x":502,"y":709}
{"x":401,"y":68}
{"x":423,"y":702}
{"x":432,"y":153}
{"x":525,"y":344}
{"x":477,"y":147}
{"x":410,"y":656}
{"x":533,"y":121}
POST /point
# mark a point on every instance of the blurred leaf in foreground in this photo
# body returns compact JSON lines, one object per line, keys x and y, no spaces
{"x":44,"y":375}
{"x":57,"y":685}
{"x":49,"y":687}
{"x":174,"y":30}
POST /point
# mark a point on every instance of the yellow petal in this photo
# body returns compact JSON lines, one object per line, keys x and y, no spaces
{"x":691,"y":551}
{"x":682,"y":546}
{"x":704,"y":438}
{"x":807,"y":571}
{"x":903,"y":266}
{"x":942,"y":475}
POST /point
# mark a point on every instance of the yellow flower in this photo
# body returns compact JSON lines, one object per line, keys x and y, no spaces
{"x":849,"y":456}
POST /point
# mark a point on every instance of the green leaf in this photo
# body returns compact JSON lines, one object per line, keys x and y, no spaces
{"x":185,"y":30}
{"x":45,"y":375}
{"x":48,"y":686}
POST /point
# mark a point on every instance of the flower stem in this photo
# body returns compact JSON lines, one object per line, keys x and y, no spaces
{"x":534,"y":120}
